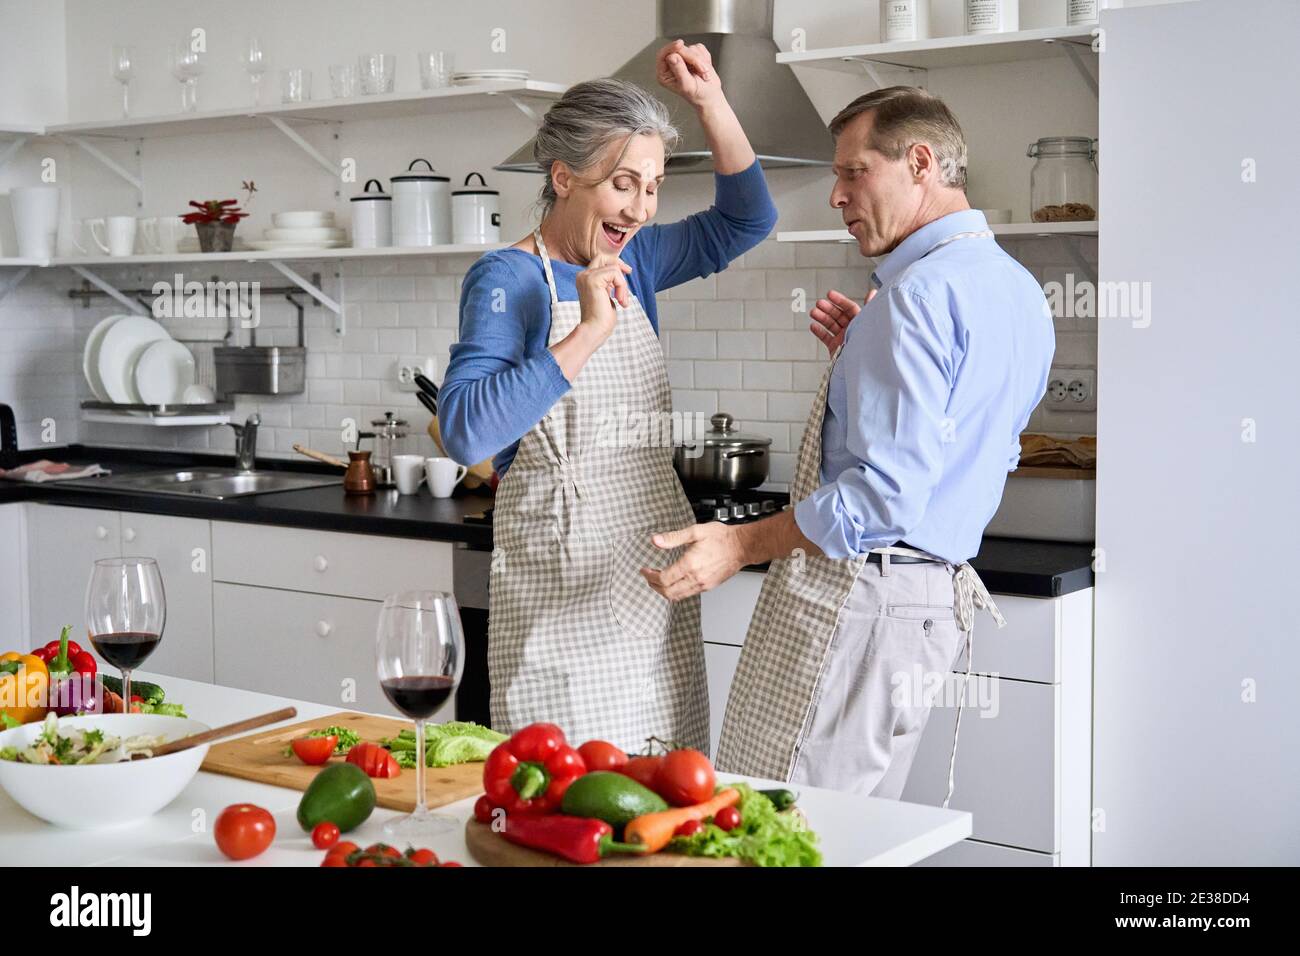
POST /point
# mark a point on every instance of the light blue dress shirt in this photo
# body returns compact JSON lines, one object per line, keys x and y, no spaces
{"x":936,"y":380}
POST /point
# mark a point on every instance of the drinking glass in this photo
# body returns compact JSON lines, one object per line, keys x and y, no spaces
{"x":378,"y":71}
{"x":124,"y":73}
{"x":187,"y":66}
{"x":125,"y":613}
{"x":295,"y":86}
{"x":255,"y":63}
{"x":435,"y":69}
{"x":419,"y":655}
{"x":343,"y":81}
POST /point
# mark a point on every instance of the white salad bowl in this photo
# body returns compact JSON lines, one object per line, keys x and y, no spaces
{"x":92,"y":796}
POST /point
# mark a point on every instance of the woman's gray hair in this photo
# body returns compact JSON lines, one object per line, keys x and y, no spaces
{"x":587,"y":118}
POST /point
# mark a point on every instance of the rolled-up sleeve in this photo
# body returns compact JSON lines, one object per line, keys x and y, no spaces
{"x":898,"y":372}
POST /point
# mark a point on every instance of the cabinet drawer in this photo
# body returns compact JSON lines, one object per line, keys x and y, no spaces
{"x":1030,"y":646}
{"x":726,"y":610}
{"x":1007,"y":773}
{"x":328,"y":562}
{"x":720,"y":662}
{"x":308,"y":646}
{"x":975,"y":853}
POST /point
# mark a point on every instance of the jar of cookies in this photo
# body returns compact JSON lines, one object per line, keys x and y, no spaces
{"x":1063,"y":182}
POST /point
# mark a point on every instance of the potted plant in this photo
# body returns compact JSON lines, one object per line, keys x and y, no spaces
{"x":215,"y":220}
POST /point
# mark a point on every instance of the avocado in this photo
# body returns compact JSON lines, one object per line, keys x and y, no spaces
{"x":341,"y":794}
{"x":612,"y":797}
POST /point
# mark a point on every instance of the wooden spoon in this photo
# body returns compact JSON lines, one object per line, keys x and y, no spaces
{"x":220,"y":733}
{"x":319,"y":456}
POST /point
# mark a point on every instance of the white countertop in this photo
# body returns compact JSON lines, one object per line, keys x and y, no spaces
{"x":854,"y":830}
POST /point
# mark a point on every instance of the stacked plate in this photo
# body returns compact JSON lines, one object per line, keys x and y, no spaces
{"x":132,"y":360}
{"x":489,"y":76}
{"x":304,"y":230}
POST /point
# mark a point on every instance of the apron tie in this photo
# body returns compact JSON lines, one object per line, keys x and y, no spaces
{"x":969,"y":596}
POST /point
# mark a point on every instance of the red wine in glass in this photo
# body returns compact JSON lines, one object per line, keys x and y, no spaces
{"x":419,"y":696}
{"x":126,"y":611}
{"x":126,"y":650}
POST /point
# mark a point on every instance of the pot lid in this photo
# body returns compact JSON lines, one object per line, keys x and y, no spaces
{"x":475,"y":192}
{"x":725,"y":433}
{"x":367,"y":194}
{"x":409,"y":176}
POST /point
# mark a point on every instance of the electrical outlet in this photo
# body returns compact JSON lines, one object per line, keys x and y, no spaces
{"x":1072,"y":390}
{"x":404,"y":370}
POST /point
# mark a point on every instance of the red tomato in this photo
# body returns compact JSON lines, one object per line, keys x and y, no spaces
{"x":642,"y":769}
{"x":689,"y":828}
{"x":483,"y":809}
{"x":599,"y":755}
{"x":385,"y":849}
{"x":684,"y":778}
{"x":343,"y":850}
{"x":450,"y":863}
{"x":332,"y":860}
{"x":325,"y":835}
{"x":314,"y":750}
{"x":374,"y":760}
{"x":422,"y":857}
{"x":244,"y":830}
{"x":728,"y":818}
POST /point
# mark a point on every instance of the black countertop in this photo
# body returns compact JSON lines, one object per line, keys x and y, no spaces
{"x":1007,"y":565}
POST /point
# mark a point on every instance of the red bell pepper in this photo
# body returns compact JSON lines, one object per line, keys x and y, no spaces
{"x":528,"y":774}
{"x":72,"y":676}
{"x":577,"y":839}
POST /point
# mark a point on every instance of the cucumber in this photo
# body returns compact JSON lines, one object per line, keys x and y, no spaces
{"x":782,"y":799}
{"x":612,"y":797}
{"x":149,"y":693}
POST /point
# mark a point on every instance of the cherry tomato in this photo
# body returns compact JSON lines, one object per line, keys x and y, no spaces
{"x":728,"y":818}
{"x":643,"y":770}
{"x":689,"y":828}
{"x":244,"y":830}
{"x":483,"y":809}
{"x":314,"y":750}
{"x":332,"y":860}
{"x":384,"y":849}
{"x":342,"y":850}
{"x":422,"y":857}
{"x":684,"y":778}
{"x":599,"y":755}
{"x":451,"y":863}
{"x":367,"y":863}
{"x":325,"y":835}
{"x":374,"y":760}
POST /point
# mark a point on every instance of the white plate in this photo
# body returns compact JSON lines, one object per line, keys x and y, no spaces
{"x":302,"y":219}
{"x":275,"y":245}
{"x":163,"y":373}
{"x":315,"y":234}
{"x":90,"y":357}
{"x":121,"y":349}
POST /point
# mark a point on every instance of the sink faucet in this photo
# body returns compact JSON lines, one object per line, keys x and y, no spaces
{"x":246,"y":442}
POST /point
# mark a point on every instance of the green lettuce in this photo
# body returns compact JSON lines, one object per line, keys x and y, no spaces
{"x":764,"y":837}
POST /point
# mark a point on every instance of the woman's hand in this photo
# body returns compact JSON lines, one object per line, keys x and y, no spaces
{"x":688,"y":72}
{"x":604,"y":277}
{"x":831,"y":317}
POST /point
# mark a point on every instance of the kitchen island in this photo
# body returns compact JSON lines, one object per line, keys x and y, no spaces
{"x":853,"y":830}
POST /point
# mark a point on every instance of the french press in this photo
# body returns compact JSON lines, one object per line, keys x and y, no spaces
{"x":389,"y":433}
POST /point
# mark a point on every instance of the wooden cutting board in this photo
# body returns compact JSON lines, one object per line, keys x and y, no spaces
{"x":260,"y":757}
{"x":492,"y":849}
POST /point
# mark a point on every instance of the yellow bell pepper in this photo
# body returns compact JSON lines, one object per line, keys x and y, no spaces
{"x":24,"y":689}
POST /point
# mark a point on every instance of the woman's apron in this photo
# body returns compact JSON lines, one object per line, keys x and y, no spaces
{"x":799,"y":609}
{"x":576,"y":636}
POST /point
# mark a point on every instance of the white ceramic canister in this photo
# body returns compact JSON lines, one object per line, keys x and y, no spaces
{"x":36,"y":219}
{"x":992,"y":16}
{"x":372,"y":217}
{"x":421,"y":207}
{"x":904,"y":20}
{"x":476,"y":213}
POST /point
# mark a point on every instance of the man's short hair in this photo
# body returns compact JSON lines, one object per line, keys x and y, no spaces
{"x":904,"y":115}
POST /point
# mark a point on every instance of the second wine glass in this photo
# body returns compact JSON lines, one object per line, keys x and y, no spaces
{"x":126,"y":610}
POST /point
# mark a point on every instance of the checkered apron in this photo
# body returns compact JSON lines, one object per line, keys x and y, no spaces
{"x":790,"y":633}
{"x":576,"y":636}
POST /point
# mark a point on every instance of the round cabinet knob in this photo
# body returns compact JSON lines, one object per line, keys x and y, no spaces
{"x":129,"y":534}
{"x":323,"y":628}
{"x":320,"y":562}
{"x":101,"y":532}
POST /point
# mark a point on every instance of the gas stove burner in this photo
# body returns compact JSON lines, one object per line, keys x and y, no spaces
{"x":737,"y":507}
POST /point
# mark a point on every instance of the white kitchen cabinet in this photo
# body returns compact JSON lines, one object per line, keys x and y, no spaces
{"x":183,"y":549}
{"x":726,"y":610}
{"x":63,"y":545}
{"x":311,"y":646}
{"x":720,"y":662}
{"x":975,"y":853}
{"x":13,"y":570}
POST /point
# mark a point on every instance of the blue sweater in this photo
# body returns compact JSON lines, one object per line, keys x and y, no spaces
{"x":502,"y":378}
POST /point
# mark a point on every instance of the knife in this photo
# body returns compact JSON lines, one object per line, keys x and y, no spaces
{"x":426,"y":385}
{"x":427,"y":402}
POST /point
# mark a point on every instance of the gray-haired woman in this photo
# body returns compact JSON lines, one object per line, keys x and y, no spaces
{"x":559,"y":374}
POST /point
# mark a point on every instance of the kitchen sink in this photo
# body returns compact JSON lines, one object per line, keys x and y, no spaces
{"x":216,"y":483}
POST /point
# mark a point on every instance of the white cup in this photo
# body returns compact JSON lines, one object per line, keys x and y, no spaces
{"x":408,"y":472}
{"x":36,"y":219}
{"x":444,"y":475}
{"x":162,"y":234}
{"x":120,"y":233}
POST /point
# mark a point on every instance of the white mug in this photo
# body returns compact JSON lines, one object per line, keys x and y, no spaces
{"x":36,"y":219}
{"x":408,"y":472}
{"x":444,"y":475}
{"x":162,"y":234}
{"x":120,"y":232}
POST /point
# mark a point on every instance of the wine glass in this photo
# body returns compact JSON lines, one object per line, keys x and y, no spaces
{"x":255,"y":63}
{"x":124,"y":73}
{"x":125,"y":613}
{"x":187,"y":66}
{"x":419,"y":654}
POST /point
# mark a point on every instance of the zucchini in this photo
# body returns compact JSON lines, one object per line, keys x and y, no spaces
{"x":149,"y":693}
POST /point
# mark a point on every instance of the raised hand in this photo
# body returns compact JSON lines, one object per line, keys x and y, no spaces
{"x":831,"y":317}
{"x":688,"y":72}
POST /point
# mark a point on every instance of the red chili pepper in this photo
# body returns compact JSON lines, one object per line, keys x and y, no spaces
{"x":577,"y":839}
{"x":529,"y":773}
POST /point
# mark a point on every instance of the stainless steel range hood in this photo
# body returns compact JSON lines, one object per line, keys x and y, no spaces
{"x":781,"y":122}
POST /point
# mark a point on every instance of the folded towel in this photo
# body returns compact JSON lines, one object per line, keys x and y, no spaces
{"x":46,"y":470}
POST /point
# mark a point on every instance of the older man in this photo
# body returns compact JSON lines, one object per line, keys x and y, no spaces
{"x":902,"y":464}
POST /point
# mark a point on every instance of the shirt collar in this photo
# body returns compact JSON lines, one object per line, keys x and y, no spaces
{"x":923,"y":240}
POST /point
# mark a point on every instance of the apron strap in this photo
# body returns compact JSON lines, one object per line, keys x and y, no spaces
{"x":970,"y":595}
{"x":546,"y":264}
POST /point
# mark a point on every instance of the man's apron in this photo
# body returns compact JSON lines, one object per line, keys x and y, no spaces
{"x":576,"y":636}
{"x":800,"y":607}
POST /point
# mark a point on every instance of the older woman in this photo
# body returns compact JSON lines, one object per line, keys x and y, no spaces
{"x":557,"y":372}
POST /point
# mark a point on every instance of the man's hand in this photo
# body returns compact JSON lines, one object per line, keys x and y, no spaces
{"x":831,"y":317}
{"x":713,"y":554}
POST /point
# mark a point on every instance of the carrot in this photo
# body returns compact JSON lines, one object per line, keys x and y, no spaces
{"x":654,"y":830}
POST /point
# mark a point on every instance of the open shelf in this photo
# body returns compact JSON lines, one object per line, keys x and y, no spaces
{"x":940,"y":52}
{"x":448,"y":99}
{"x":252,"y":255}
{"x":1021,"y":229}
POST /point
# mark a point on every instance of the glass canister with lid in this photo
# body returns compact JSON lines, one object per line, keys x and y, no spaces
{"x":1063,"y":182}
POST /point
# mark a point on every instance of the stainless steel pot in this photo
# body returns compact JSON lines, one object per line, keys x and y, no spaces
{"x":723,"y":458}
